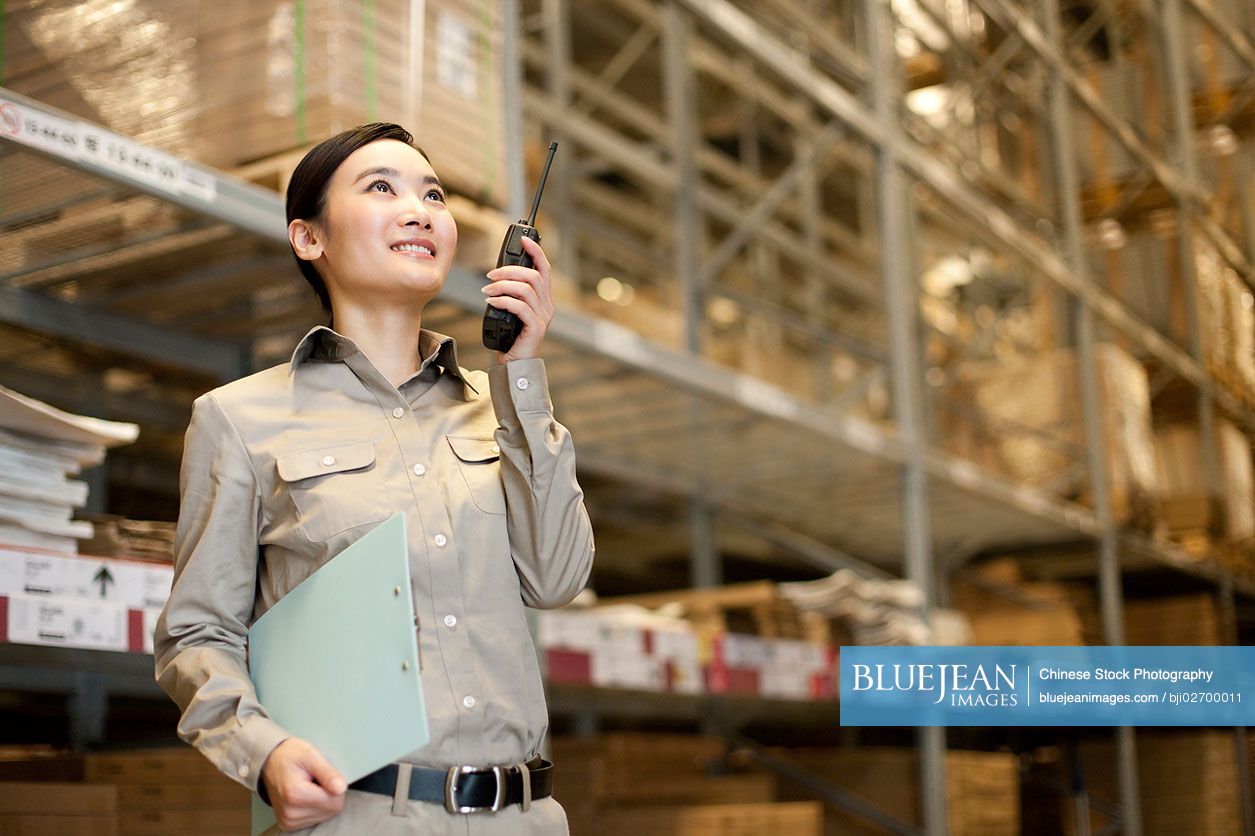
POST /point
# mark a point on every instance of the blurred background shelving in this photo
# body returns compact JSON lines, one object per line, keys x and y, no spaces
{"x":956,"y":293}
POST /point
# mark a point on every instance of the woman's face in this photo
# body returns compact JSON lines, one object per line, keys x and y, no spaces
{"x":385,"y":231}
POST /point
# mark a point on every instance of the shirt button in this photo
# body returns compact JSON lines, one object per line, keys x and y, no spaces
{"x":328,"y":460}
{"x":468,"y":701}
{"x":495,"y":449}
{"x":398,"y":412}
{"x":450,"y":621}
{"x":440,"y":540}
{"x":419,"y":470}
{"x":522,"y":383}
{"x":243,"y":770}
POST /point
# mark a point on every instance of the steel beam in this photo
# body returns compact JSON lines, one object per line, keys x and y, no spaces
{"x":1110,"y":587}
{"x":681,"y":94}
{"x":80,"y":323}
{"x":204,"y":190}
{"x":895,"y":216}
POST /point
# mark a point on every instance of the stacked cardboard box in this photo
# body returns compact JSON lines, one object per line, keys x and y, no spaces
{"x":1005,"y":609}
{"x":232,"y":82}
{"x":1177,"y":620}
{"x":803,"y":818}
{"x":748,"y":639}
{"x":1203,"y":517}
{"x":659,"y":783}
{"x":170,"y":791}
{"x":34,"y":809}
{"x":79,"y":601}
{"x":982,"y":788}
{"x":622,"y":648}
{"x":1187,"y":781}
{"x":157,"y":792}
{"x":1226,"y":314}
{"x":1024,"y":420}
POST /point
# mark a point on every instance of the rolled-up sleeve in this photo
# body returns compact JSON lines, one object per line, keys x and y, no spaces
{"x":199,"y":642}
{"x":551,"y":538}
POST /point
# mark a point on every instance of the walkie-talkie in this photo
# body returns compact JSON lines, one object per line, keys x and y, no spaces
{"x":501,"y":327}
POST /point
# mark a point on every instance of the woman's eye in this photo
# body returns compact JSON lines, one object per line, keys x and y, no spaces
{"x":436,"y":194}
{"x":384,"y":183}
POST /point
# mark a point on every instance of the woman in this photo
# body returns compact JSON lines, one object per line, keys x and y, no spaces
{"x":373,"y":415}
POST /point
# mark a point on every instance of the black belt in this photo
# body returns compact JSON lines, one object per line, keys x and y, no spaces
{"x":466,"y":789}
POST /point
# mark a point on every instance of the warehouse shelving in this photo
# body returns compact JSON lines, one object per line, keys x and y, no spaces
{"x":759,"y":453}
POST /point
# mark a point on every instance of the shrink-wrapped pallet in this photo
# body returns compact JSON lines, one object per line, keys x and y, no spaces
{"x":238,"y":81}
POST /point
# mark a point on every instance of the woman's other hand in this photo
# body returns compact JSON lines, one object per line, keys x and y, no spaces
{"x":304,"y":788}
{"x":526,"y":292}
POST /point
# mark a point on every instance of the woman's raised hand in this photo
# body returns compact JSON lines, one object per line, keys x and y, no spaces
{"x":526,"y":292}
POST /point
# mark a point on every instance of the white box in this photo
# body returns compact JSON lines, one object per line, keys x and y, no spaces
{"x":67,"y":622}
{"x":129,"y":583}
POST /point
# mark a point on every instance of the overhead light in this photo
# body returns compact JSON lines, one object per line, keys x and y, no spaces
{"x":928,"y":101}
{"x":1111,"y":234}
{"x":610,"y":289}
{"x":1222,"y":140}
{"x":723,"y":311}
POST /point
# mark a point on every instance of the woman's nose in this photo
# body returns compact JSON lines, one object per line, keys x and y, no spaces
{"x":416,"y":216}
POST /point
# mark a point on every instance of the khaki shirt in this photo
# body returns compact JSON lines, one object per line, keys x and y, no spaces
{"x":285,"y":468}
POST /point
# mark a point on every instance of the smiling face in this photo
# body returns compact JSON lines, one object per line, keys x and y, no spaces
{"x":385,"y":233}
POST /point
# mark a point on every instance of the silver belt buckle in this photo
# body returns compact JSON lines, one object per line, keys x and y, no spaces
{"x":451,"y":789}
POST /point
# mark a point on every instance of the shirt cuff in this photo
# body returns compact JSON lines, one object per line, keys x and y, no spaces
{"x":519,"y":386}
{"x":253,"y":742}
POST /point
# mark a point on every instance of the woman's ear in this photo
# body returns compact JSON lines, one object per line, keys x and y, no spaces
{"x":305,"y":240}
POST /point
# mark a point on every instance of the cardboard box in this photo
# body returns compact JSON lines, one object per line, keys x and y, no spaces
{"x":153,"y":766}
{"x":803,"y":818}
{"x":1187,"y":781}
{"x":127,"y":583}
{"x":65,"y":622}
{"x":1024,"y":421}
{"x":982,"y":788}
{"x":233,"y":82}
{"x":36,"y":809}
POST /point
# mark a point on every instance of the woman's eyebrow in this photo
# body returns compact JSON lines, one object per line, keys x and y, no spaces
{"x":384,"y":170}
{"x":429,"y":179}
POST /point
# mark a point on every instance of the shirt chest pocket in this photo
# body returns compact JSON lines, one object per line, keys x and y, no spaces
{"x":479,"y":461}
{"x":334,"y":487}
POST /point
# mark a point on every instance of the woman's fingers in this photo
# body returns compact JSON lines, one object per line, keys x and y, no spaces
{"x":305,"y":789}
{"x":517,"y":289}
{"x":539,"y":260}
{"x":321,"y":770}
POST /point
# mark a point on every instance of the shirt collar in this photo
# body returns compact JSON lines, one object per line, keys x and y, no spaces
{"x":322,"y":343}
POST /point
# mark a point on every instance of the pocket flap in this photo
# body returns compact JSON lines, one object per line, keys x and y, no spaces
{"x":474,"y":448}
{"x":333,"y":458}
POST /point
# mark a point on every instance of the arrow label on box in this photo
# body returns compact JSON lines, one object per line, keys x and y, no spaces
{"x":104,"y":578}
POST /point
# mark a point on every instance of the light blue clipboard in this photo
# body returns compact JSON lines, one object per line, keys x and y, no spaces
{"x":335,"y":661}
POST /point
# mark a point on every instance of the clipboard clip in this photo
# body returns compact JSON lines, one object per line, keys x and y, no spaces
{"x":451,"y":789}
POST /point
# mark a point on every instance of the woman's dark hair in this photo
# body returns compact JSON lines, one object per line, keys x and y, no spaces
{"x":307,"y":190}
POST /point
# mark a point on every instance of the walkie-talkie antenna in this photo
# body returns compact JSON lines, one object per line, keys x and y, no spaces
{"x":540,"y":187}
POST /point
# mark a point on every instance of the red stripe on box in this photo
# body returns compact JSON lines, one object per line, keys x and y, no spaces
{"x":742,"y":681}
{"x":649,"y":641}
{"x":135,"y":631}
{"x":4,"y":618}
{"x":569,"y":666}
{"x":821,"y":687}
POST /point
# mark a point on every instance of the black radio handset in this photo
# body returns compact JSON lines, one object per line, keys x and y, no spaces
{"x":501,"y":327}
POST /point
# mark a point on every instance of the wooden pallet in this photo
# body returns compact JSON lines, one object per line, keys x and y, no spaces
{"x":756,"y":607}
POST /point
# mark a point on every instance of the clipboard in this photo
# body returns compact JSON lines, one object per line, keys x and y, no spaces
{"x":335,"y":661}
